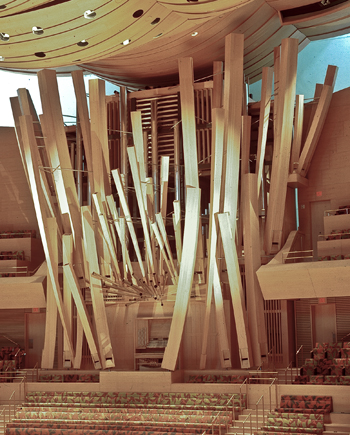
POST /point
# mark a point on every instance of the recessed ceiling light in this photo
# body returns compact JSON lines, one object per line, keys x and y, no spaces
{"x":40,"y":54}
{"x":126,"y":42}
{"x":194,"y":34}
{"x":4,"y":36}
{"x":3,"y":6}
{"x":2,"y":58}
{"x":155,"y":21}
{"x":157,"y":36}
{"x":37,"y":30}
{"x":82,"y":43}
{"x":138,"y":13}
{"x":89,"y":14}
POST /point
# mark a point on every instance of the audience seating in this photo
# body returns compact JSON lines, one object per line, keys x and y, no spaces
{"x":60,"y":413}
{"x":233,"y":379}
{"x":305,"y":404}
{"x":330,"y":364}
{"x":278,"y":422}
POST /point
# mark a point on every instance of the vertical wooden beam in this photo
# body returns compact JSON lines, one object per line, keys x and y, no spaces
{"x":318,"y":121}
{"x":255,"y":302}
{"x":123,"y":102}
{"x":155,"y":170}
{"x":317,"y":95}
{"x":185,"y":279}
{"x":164,"y":179}
{"x":103,"y":337}
{"x":30,"y":151}
{"x":48,"y":354}
{"x":67,"y":257}
{"x":164,"y":235}
{"x":141,"y":203}
{"x":57,"y":149}
{"x":126,"y":211}
{"x":234,"y":277}
{"x":84,"y":121}
{"x":83,"y":315}
{"x":215,"y":187}
{"x":276,"y":71}
{"x":99,"y":138}
{"x":177,"y":230}
{"x":264,"y":118}
{"x":298,"y":132}
{"x":218,"y":82}
{"x":282,"y":145}
{"x":234,"y":47}
{"x":188,"y":121}
{"x":106,"y":233}
{"x":177,"y":141}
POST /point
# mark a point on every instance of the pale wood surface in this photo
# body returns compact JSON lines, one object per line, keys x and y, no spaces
{"x":234,"y":277}
{"x":185,"y":278}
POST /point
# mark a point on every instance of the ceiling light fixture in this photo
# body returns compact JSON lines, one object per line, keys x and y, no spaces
{"x":89,"y":14}
{"x":155,"y":21}
{"x":2,"y":58}
{"x":138,"y":13}
{"x":37,"y":30}
{"x":194,"y":34}
{"x":4,"y":36}
{"x":3,"y":6}
{"x":40,"y":54}
{"x":82,"y":43}
{"x":126,"y":42}
{"x":158,"y":36}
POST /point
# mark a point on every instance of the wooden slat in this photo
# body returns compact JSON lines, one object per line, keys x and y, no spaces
{"x":317,"y":95}
{"x":99,"y":138}
{"x":215,"y":187}
{"x":188,"y":121}
{"x":185,"y":278}
{"x":264,"y":118}
{"x":318,"y":121}
{"x":234,"y":50}
{"x":30,"y":150}
{"x":106,"y":233}
{"x":57,"y":149}
{"x":177,"y":230}
{"x":298,"y":131}
{"x":48,"y":355}
{"x":82,"y":312}
{"x":282,"y":146}
{"x":234,"y":277}
{"x":126,"y":211}
{"x":164,"y":179}
{"x":141,"y":204}
{"x":218,"y":82}
{"x":164,"y":235}
{"x":154,"y":139}
{"x":162,"y":251}
{"x":83,"y":113}
{"x":67,"y":257}
{"x":276,"y":74}
{"x":252,"y":249}
{"x":100,"y":317}
{"x":136,"y":122}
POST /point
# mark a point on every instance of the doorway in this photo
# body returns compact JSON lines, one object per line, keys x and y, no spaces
{"x":324,"y":325}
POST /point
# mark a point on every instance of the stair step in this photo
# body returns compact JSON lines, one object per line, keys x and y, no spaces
{"x":337,"y":427}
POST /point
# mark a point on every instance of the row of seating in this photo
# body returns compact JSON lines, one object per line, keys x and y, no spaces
{"x":59,"y":413}
{"x":233,"y":379}
{"x":95,"y":377}
{"x":19,"y":234}
{"x":322,"y":379}
{"x":11,"y":255}
{"x":282,"y":422}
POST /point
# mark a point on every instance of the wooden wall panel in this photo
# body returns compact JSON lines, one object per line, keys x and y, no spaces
{"x":12,"y":325}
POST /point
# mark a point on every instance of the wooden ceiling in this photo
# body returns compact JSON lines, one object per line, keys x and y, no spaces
{"x":119,"y":41}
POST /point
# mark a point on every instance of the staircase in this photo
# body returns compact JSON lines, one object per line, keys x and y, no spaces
{"x":248,"y":422}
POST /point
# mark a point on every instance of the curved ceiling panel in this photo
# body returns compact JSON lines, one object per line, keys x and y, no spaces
{"x":139,"y":44}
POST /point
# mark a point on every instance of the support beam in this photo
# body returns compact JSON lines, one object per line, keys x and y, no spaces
{"x":48,"y":354}
{"x":177,"y":230}
{"x":264,"y":119}
{"x":67,"y":257}
{"x":318,"y":121}
{"x":126,"y":211}
{"x":155,"y":169}
{"x":298,"y":132}
{"x":252,"y":249}
{"x":103,"y":337}
{"x":30,"y":151}
{"x":185,"y":279}
{"x":282,"y":146}
{"x":218,"y":84}
{"x":234,"y":277}
{"x":188,"y":121}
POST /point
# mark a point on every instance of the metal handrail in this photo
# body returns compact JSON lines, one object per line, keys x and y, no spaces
{"x":259,"y":378}
{"x":270,"y":386}
{"x":290,"y":365}
{"x":245,"y":382}
{"x":256,"y":409}
{"x":244,"y":421}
